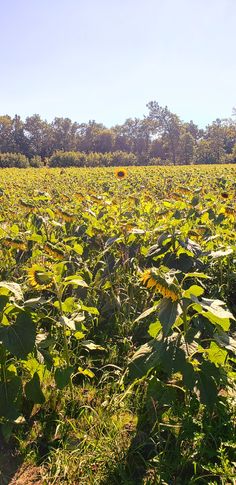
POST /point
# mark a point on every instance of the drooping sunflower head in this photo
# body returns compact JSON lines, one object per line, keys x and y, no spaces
{"x":151,"y":279}
{"x":39,"y":277}
{"x":65,"y":215}
{"x":15,"y":243}
{"x":120,"y":173}
{"x":53,"y":250}
{"x":28,"y":205}
{"x":79,"y":196}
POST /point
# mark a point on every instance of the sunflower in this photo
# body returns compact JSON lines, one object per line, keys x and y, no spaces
{"x":224,"y":195}
{"x":66,"y":216}
{"x":120,"y":173}
{"x":27,"y":204}
{"x":53,"y":250}
{"x":152,"y":280}
{"x":229,"y":210}
{"x":16,"y":243}
{"x":79,"y":196}
{"x":39,"y":277}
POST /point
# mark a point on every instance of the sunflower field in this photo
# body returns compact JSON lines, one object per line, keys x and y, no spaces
{"x":117,"y":325}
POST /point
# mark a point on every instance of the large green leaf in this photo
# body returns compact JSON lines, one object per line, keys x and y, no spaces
{"x":33,"y":390}
{"x":154,"y":329}
{"x":19,"y":338}
{"x":146,"y":358}
{"x":10,"y":393}
{"x":62,"y":376}
{"x":3,"y":301}
{"x":193,"y":290}
{"x":207,"y":380}
{"x":216,"y":354}
{"x":168,"y":312}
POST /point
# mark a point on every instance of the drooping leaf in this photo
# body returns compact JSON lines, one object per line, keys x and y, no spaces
{"x":221,"y":253}
{"x":75,"y":281}
{"x":88,"y":344}
{"x":68,"y":322}
{"x":146,"y":313}
{"x":145,"y":358}
{"x":225,"y":341}
{"x":13,"y":288}
{"x":168,"y":312}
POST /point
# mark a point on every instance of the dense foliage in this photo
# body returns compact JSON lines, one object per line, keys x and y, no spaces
{"x":117,"y":329}
{"x":159,"y":138}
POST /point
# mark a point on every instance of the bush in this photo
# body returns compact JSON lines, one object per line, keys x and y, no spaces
{"x":36,"y":161}
{"x":9,"y":160}
{"x":93,"y":159}
{"x":158,"y":161}
{"x":67,"y":159}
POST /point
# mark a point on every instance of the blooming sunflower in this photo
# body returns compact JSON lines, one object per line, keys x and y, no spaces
{"x":39,"y":277}
{"x":120,"y":173}
{"x":153,"y":280}
{"x":224,"y":195}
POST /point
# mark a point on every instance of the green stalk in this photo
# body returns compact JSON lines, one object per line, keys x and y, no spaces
{"x":65,"y":342}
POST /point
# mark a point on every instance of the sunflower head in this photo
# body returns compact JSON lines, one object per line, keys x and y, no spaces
{"x":79,"y":196}
{"x":15,"y":243}
{"x":224,"y":195}
{"x":54,"y":250}
{"x":163,"y":284}
{"x":66,"y":216}
{"x":39,"y":277}
{"x":120,"y":173}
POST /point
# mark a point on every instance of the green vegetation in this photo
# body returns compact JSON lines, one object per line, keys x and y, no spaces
{"x":160,"y":138}
{"x":117,"y":324}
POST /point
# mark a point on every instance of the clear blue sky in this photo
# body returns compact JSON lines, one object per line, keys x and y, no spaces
{"x":105,"y":59}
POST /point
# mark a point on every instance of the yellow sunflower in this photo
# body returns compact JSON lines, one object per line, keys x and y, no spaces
{"x":39,"y":277}
{"x":120,"y":173}
{"x":152,"y":280}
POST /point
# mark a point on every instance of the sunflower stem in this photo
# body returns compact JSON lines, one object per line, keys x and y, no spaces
{"x":65,"y":342}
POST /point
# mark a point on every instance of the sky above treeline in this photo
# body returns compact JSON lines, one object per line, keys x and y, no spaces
{"x":106,"y":59}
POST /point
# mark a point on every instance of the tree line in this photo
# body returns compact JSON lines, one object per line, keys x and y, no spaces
{"x":160,"y":137}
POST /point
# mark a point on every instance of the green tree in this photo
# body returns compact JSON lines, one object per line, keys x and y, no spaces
{"x":168,"y":125}
{"x":6,"y":134}
{"x":39,"y":136}
{"x":187,"y":148}
{"x":64,"y":134}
